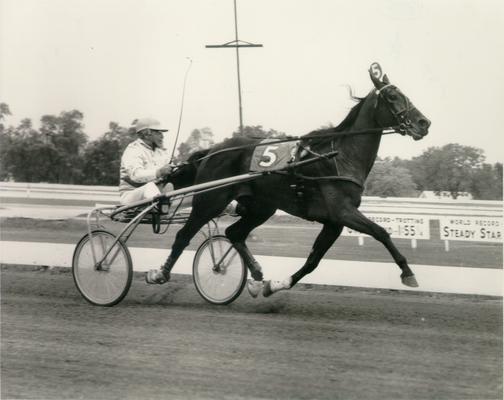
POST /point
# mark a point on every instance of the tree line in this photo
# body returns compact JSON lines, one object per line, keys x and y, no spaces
{"x":59,"y":151}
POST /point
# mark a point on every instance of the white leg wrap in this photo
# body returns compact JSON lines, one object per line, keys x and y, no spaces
{"x":254,"y":287}
{"x":281,"y":285}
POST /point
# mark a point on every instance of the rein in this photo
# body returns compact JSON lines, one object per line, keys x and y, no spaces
{"x":330,"y":134}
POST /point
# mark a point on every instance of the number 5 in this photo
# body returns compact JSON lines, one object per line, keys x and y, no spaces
{"x":376,"y":70}
{"x":269,"y":152}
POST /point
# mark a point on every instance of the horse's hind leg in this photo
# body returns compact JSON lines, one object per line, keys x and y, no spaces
{"x":238,"y":232}
{"x":324,"y":241}
{"x":355,"y":220}
{"x":205,"y":207}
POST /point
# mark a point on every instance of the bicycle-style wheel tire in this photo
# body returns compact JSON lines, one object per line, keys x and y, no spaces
{"x":222,"y":285}
{"x":108,"y":286}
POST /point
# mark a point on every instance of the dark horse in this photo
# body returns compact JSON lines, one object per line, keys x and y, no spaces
{"x":331,"y":188}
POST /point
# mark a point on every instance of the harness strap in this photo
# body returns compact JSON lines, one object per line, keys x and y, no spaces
{"x":399,"y":115}
{"x":291,"y":170}
{"x":330,"y":178}
{"x":331,"y":132}
{"x":378,"y":91}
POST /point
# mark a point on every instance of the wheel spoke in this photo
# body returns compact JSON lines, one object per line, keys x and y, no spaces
{"x":106,"y":287}
{"x":225,"y":285}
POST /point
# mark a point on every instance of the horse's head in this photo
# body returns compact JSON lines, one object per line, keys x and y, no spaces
{"x":393,"y":108}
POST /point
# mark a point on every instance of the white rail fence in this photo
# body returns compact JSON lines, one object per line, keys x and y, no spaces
{"x":406,"y":218}
{"x":59,"y":192}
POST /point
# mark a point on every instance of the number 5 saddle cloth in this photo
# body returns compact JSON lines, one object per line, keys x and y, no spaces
{"x":267,"y":157}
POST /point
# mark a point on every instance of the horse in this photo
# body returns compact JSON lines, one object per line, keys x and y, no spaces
{"x":331,"y":189}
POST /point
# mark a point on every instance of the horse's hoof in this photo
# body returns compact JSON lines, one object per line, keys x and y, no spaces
{"x":267,"y":292}
{"x":156,"y":277}
{"x":409,"y":280}
{"x":254,"y":287}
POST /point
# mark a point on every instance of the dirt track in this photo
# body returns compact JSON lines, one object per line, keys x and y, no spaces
{"x":312,"y":342}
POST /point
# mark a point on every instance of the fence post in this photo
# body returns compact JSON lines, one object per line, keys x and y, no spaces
{"x":447,"y":245}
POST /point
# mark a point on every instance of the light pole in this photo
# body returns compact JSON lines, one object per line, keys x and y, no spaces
{"x":236,"y":44}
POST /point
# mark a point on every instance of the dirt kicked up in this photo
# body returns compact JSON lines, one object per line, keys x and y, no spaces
{"x":311,"y":342}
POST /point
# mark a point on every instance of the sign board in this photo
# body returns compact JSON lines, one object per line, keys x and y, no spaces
{"x":402,"y":226}
{"x":473,"y":229}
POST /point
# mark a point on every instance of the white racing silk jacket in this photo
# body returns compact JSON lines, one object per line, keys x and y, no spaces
{"x":139,"y":164}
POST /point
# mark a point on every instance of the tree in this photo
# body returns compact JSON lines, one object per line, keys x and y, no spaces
{"x":198,"y":140}
{"x":123,"y":136}
{"x":66,"y":134}
{"x":32,"y":161}
{"x":487,"y":182}
{"x":25,"y":130}
{"x":28,"y":157}
{"x":65,"y":131}
{"x":257,"y":131}
{"x":449,"y":168}
{"x":4,"y":111}
{"x":5,"y":135}
{"x":388,"y":180}
{"x":52,"y":154}
{"x":102,"y":157}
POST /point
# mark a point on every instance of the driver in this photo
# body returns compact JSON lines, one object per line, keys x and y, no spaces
{"x":144,"y":164}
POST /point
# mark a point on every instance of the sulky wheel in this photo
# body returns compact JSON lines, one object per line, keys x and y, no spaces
{"x":219,"y":272}
{"x":107,"y":283}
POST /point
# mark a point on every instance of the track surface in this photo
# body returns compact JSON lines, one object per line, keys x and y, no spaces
{"x":284,"y":237}
{"x":310,"y":342}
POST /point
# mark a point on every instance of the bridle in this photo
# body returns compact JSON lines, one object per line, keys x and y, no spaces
{"x":402,"y":115}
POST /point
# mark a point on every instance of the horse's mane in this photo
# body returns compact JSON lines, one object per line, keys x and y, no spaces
{"x":352,"y":115}
{"x":196,"y":156}
{"x":348,"y":121}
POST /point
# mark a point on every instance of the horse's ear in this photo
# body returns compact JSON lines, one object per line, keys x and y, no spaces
{"x":375,"y":73}
{"x":378,"y":84}
{"x":386,"y":80}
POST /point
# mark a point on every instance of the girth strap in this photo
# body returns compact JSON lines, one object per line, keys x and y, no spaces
{"x":330,"y":178}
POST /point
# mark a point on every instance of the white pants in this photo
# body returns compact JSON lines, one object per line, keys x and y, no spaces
{"x":144,"y":192}
{"x":148,"y":191}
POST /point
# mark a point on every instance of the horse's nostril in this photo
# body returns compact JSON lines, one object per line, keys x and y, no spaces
{"x":424,"y":123}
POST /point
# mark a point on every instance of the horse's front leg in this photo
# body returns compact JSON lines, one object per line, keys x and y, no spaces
{"x":324,"y":241}
{"x":355,"y":220}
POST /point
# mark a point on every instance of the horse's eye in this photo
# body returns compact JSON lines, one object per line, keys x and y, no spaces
{"x":393,"y":97}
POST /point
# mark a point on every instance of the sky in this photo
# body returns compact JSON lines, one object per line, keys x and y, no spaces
{"x":117,"y":60}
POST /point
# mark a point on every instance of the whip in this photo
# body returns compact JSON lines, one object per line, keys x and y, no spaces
{"x":181,"y":108}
